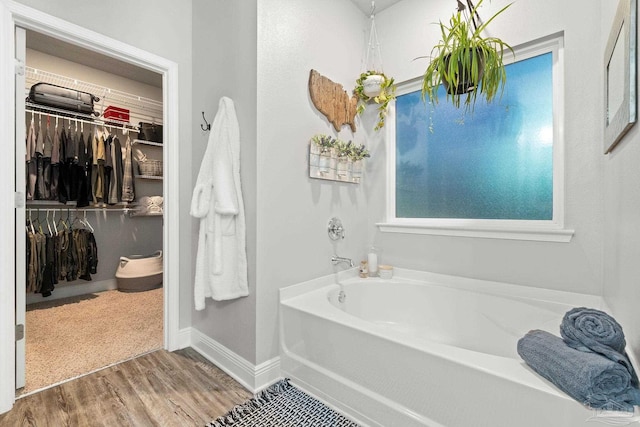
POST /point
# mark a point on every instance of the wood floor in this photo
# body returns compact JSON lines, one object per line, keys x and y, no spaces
{"x":157,"y":389}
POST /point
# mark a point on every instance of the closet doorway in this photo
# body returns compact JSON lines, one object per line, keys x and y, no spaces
{"x":164,"y":72}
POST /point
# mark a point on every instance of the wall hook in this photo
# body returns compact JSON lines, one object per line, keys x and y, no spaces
{"x":203,"y":127}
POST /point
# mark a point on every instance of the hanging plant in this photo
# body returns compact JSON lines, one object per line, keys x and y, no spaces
{"x":465,"y":62}
{"x":375,"y":87}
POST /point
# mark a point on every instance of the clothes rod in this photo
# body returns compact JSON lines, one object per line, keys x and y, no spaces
{"x":74,"y":209}
{"x":31,"y":108}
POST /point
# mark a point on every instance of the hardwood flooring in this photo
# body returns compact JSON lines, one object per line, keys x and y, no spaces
{"x":157,"y":389}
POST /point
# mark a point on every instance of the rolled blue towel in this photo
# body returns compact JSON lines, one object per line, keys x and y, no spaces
{"x":588,"y":329}
{"x":587,"y":377}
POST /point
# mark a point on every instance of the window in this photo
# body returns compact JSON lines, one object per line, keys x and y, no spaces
{"x":496,"y":171}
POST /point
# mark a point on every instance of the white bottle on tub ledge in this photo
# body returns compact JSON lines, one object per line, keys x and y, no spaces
{"x":372,"y":261}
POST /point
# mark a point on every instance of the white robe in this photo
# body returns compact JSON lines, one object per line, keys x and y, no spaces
{"x":221,"y":261}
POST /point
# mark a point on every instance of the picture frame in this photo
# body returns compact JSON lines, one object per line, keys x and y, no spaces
{"x":620,"y":75}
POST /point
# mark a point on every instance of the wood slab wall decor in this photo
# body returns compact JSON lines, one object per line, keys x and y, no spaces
{"x":333,"y":101}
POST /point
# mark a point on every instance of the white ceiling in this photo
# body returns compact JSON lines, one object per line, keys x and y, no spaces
{"x":79,"y":55}
{"x":365,"y":5}
{"x":89,"y":58}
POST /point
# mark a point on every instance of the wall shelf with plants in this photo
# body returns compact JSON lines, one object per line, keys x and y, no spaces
{"x":336,"y":160}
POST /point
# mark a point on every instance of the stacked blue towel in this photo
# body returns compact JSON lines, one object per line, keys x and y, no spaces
{"x":590,"y":364}
{"x":588,"y":329}
{"x":587,"y":377}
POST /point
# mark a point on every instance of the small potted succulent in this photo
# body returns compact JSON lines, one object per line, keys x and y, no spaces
{"x":375,"y":87}
{"x":464,"y":61}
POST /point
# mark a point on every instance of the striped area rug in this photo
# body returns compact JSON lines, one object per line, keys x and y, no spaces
{"x":282,"y":405}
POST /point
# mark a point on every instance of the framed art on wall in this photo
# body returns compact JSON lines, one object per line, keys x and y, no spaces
{"x":620,"y":75}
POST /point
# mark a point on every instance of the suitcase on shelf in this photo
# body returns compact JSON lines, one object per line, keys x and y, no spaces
{"x":63,"y":98}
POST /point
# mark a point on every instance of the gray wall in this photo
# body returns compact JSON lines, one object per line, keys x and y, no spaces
{"x":622,"y":225}
{"x":224,"y":64}
{"x":574,"y":266}
{"x":293,"y":209}
{"x":162,"y":27}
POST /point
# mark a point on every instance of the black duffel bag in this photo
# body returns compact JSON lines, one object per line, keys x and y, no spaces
{"x":150,"y":132}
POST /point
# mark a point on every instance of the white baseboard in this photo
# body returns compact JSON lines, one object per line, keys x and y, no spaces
{"x":253,"y":377}
{"x":184,"y":338}
{"x":64,"y":290}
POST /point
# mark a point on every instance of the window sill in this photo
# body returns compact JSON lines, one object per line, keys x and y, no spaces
{"x":546,"y":234}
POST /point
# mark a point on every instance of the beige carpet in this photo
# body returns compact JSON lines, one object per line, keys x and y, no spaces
{"x":74,"y":336}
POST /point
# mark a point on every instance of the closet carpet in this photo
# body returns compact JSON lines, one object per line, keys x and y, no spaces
{"x":73,"y":336}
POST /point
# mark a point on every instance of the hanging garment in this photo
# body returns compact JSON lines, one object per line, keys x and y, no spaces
{"x":80,"y":173}
{"x":64,"y":178}
{"x":39,"y":194}
{"x":63,"y":248}
{"x":119,"y":167}
{"x":108,"y":167}
{"x":55,"y":165}
{"x":46,"y":164}
{"x":221,"y":261}
{"x":88,"y":169}
{"x":115,"y":180}
{"x":32,"y":263}
{"x":31,"y":161}
{"x":48,"y":280}
{"x":98,"y":169}
{"x":128,"y":190}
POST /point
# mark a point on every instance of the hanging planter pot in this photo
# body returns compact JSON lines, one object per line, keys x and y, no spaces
{"x":466,"y":77}
{"x":372,"y":85}
{"x":375,"y":87}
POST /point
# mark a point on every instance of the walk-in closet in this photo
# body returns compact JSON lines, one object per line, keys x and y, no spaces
{"x":90,"y":251}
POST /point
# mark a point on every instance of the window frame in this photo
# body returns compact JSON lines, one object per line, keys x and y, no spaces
{"x":539,"y":230}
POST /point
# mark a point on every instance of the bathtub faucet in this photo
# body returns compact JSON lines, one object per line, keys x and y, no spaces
{"x":335,"y":260}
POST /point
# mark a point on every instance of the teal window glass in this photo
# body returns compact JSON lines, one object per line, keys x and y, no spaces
{"x":495,"y":162}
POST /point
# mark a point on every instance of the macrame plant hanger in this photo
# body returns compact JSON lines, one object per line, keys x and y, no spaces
{"x":373,"y":58}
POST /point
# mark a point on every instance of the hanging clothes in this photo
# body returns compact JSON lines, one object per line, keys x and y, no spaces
{"x":68,"y":254}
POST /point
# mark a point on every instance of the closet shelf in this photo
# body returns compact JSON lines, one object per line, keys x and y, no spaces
{"x":151,"y":177}
{"x":73,"y":116}
{"x":141,"y":141}
{"x":72,"y":205}
{"x":133,"y":213}
{"x":141,"y":107}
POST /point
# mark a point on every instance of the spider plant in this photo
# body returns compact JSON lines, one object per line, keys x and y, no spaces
{"x":464,"y":61}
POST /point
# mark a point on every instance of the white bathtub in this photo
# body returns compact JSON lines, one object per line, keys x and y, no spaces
{"x":424,"y":349}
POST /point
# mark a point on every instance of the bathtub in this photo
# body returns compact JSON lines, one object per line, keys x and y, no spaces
{"x":425,"y":349}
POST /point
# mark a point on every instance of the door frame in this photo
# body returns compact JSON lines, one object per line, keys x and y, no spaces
{"x":13,"y":14}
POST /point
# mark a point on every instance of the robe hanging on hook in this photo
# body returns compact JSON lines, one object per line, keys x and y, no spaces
{"x":207,"y":125}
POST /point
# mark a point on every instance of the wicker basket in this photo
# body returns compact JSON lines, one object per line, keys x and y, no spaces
{"x":150,"y":167}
